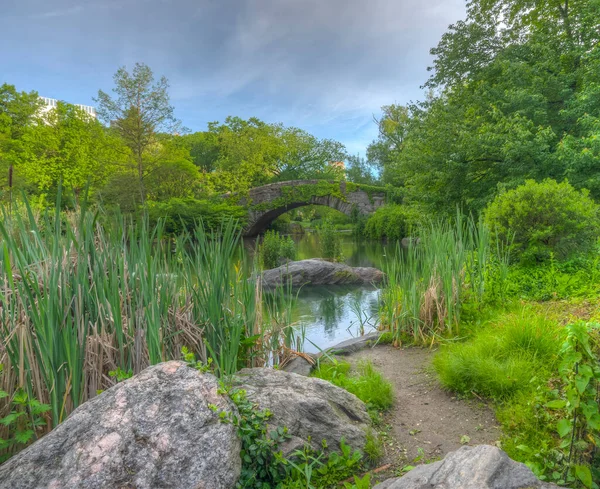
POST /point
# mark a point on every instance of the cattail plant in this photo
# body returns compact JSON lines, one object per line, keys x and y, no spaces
{"x":83,"y":294}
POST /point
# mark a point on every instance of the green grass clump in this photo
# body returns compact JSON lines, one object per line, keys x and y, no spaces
{"x":366,"y":383}
{"x":503,"y":358}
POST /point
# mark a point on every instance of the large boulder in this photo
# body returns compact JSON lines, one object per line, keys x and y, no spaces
{"x":155,"y":430}
{"x":479,"y":467}
{"x":319,"y":272}
{"x":311,"y":409}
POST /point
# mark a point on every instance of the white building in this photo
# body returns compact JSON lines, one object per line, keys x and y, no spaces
{"x":50,"y":103}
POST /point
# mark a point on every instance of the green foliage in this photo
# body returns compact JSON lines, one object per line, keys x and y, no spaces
{"x":555,"y":280}
{"x":358,"y":170}
{"x":426,"y":284}
{"x":546,"y":378}
{"x":262,"y":463}
{"x":23,"y":422}
{"x":172,"y":179}
{"x":67,"y":145}
{"x":139,"y":110}
{"x":366,"y":383}
{"x":542,"y":219}
{"x":373,"y":447}
{"x":252,"y":153}
{"x":330,"y":242}
{"x":514,"y":96}
{"x":391,"y":221}
{"x":580,"y":428}
{"x":180,"y":215}
{"x":274,"y":248}
{"x":120,"y":375}
{"x":162,"y":294}
{"x":312,"y":470}
{"x":359,"y":482}
{"x":265,"y":467}
{"x":502,"y":359}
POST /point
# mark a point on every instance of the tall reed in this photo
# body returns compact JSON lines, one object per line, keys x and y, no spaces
{"x":427,"y":282}
{"x":83,"y":294}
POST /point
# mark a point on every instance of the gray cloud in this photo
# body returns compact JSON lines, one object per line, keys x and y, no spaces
{"x":323,"y":65}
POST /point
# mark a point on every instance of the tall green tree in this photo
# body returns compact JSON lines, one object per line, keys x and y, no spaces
{"x":252,"y":152}
{"x":358,"y":170}
{"x":68,"y":145}
{"x":138,"y":112}
{"x":17,"y":116}
{"x":513,"y":90}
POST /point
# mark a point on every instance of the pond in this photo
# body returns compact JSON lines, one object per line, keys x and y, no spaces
{"x":326,"y":316}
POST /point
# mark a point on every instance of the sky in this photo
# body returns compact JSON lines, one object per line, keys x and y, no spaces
{"x":325,"y":66}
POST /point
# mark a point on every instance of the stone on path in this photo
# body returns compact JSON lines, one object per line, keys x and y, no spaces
{"x":479,"y":467}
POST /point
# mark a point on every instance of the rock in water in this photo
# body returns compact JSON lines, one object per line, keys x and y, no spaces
{"x":319,"y":272}
{"x":310,"y":408}
{"x":155,"y":430}
{"x":480,"y":467}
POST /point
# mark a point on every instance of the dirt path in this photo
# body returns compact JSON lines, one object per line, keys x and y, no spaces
{"x":426,"y":422}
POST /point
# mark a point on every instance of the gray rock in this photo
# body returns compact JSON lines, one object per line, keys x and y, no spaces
{"x":299,"y":365}
{"x":406,"y":242}
{"x":319,"y":272}
{"x":355,"y":344}
{"x":154,"y":430}
{"x":479,"y":467}
{"x":308,"y":407}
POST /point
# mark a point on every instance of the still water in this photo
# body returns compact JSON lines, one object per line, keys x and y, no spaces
{"x":327,"y":315}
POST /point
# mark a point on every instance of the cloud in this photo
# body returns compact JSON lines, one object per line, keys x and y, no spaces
{"x":323,"y":65}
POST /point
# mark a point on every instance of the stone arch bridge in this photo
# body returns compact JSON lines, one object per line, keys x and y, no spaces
{"x":268,"y":202}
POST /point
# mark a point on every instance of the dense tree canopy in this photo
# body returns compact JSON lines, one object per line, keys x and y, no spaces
{"x":517,"y":96}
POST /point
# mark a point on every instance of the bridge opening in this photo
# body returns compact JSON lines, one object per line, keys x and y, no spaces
{"x":311,"y":217}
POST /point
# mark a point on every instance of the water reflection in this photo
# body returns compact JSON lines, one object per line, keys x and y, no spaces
{"x":329,"y":315}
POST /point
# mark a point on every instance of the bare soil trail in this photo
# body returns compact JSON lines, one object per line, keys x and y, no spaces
{"x":425,"y":422}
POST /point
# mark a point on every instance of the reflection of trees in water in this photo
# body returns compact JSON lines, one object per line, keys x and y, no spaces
{"x":331,"y":310}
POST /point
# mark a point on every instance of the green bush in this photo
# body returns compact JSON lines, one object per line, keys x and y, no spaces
{"x":544,"y":219}
{"x":330,"y":242}
{"x":275,"y":247}
{"x":183,"y":214}
{"x":391,"y":222}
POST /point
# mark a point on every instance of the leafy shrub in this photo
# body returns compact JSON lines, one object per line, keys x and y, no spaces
{"x":184,"y":214}
{"x":275,"y":247}
{"x":265,"y":467}
{"x":330,"y":242}
{"x":367,"y":383}
{"x":554,"y":427}
{"x":542,"y":219}
{"x":391,"y":222}
{"x":22,"y":423}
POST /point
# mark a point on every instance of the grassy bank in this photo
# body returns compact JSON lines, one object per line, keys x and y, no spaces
{"x":521,"y":334}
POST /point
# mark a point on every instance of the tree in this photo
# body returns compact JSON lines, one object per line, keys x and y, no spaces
{"x":68,"y":145}
{"x":17,"y":115}
{"x":138,"y":112}
{"x":516,"y":99}
{"x":358,"y":170}
{"x":203,"y":149}
{"x":252,"y":152}
{"x":393,"y":128}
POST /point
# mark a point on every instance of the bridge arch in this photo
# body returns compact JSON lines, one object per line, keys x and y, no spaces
{"x":268,"y":202}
